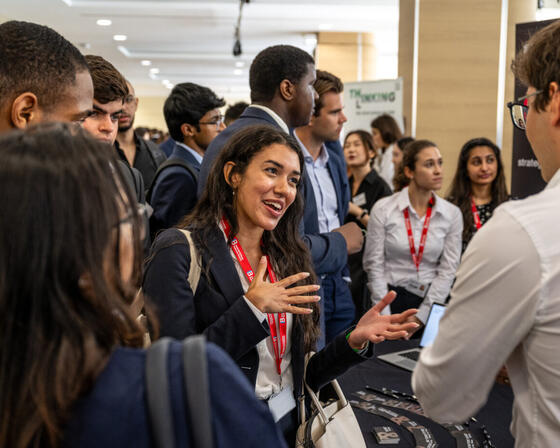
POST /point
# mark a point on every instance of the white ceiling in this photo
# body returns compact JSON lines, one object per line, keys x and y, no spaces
{"x":192,"y":41}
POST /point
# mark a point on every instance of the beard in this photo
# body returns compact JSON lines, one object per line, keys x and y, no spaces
{"x":126,"y":127}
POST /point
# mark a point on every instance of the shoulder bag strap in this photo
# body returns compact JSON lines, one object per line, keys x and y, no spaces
{"x":157,"y":392}
{"x":196,"y":386}
{"x":194,"y":268}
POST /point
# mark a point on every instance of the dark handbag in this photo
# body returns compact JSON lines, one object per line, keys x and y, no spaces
{"x":196,"y":389}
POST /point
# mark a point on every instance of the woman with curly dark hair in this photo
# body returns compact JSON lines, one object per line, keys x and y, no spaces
{"x":256,"y":296}
{"x":479,"y":185}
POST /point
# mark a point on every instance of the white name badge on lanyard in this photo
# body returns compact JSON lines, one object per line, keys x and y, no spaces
{"x":420,"y":289}
{"x":281,"y":403}
{"x":359,"y":199}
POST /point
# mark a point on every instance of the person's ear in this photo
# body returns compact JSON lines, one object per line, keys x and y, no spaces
{"x":231,"y":179}
{"x":408,"y":173}
{"x":554,"y":103}
{"x":188,"y":130}
{"x":287,"y":90}
{"x":25,"y":110}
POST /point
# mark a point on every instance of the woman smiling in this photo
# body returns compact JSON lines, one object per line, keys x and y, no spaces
{"x":257,"y":296}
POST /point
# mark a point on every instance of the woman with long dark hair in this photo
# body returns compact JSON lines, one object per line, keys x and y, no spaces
{"x":413,"y":243}
{"x":71,"y":363}
{"x":479,"y":185}
{"x":386,"y":133}
{"x":366,"y":187}
{"x":256,"y":293}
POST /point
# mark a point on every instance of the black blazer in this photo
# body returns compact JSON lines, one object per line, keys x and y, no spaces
{"x":218,"y":310}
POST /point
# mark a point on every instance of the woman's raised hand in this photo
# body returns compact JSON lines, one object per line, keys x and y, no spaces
{"x":277,"y":297}
{"x":375,"y":328}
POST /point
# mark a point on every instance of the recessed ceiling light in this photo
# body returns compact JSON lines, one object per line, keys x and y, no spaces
{"x":119,"y":37}
{"x":238,"y":71}
{"x":240,"y":64}
{"x":104,"y":22}
{"x":166,"y":81}
{"x":154,"y":70}
{"x":146,"y":63}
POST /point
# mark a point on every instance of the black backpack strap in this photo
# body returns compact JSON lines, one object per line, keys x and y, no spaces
{"x":168,"y":164}
{"x":195,"y":373}
{"x":157,"y":392}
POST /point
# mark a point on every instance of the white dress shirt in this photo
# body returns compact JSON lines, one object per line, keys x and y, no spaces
{"x":274,"y":116}
{"x":323,"y":188}
{"x":387,"y":258}
{"x":268,"y":381}
{"x":191,"y":151}
{"x":505,"y":307}
{"x":384,"y":165}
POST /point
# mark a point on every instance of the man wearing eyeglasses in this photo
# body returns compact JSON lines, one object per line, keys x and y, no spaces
{"x":193,"y":117}
{"x":144,"y":155}
{"x":505,"y":305}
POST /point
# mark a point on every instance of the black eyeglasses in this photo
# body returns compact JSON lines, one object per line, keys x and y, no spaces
{"x":217,"y":121}
{"x":518,"y":110}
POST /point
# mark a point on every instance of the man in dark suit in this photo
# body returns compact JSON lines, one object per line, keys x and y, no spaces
{"x":326,"y":199}
{"x":193,"y":118}
{"x":282,"y":95}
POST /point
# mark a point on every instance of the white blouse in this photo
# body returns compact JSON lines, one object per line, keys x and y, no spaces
{"x":384,"y":165}
{"x":387,"y":258}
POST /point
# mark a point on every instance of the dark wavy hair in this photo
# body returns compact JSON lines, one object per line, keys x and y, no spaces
{"x":63,"y":306}
{"x":410,"y":156}
{"x":388,"y":127}
{"x":461,"y":188}
{"x":283,"y":244}
{"x":108,"y":83}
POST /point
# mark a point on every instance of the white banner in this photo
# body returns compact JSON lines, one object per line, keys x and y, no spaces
{"x":366,"y":100}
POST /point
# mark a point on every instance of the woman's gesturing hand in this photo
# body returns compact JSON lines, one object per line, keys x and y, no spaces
{"x":277,"y":297}
{"x":375,"y":328}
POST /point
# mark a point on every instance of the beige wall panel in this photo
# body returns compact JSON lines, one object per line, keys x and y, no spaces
{"x":458,"y":58}
{"x":150,"y":113}
{"x":338,"y":53}
{"x":406,"y":56}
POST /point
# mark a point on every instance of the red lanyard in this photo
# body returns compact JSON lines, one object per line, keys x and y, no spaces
{"x":418,"y":258}
{"x":279,"y":346}
{"x":475,"y":214}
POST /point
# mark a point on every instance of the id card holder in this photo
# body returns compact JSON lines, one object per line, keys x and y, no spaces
{"x":417,"y":288}
{"x":359,"y":199}
{"x":281,"y":403}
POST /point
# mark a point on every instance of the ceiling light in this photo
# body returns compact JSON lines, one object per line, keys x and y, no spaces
{"x":240,"y":64}
{"x":325,"y":26}
{"x":104,"y":22}
{"x":238,"y":71}
{"x":154,"y":70}
{"x":166,"y":81}
{"x":119,"y":37}
{"x":146,"y":63}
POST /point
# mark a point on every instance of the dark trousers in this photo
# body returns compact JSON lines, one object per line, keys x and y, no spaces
{"x":338,"y":305}
{"x":405,"y":300}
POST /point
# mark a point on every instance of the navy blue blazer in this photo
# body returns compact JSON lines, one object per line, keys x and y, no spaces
{"x":331,"y":245}
{"x":217,"y":309}
{"x":174,"y":193}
